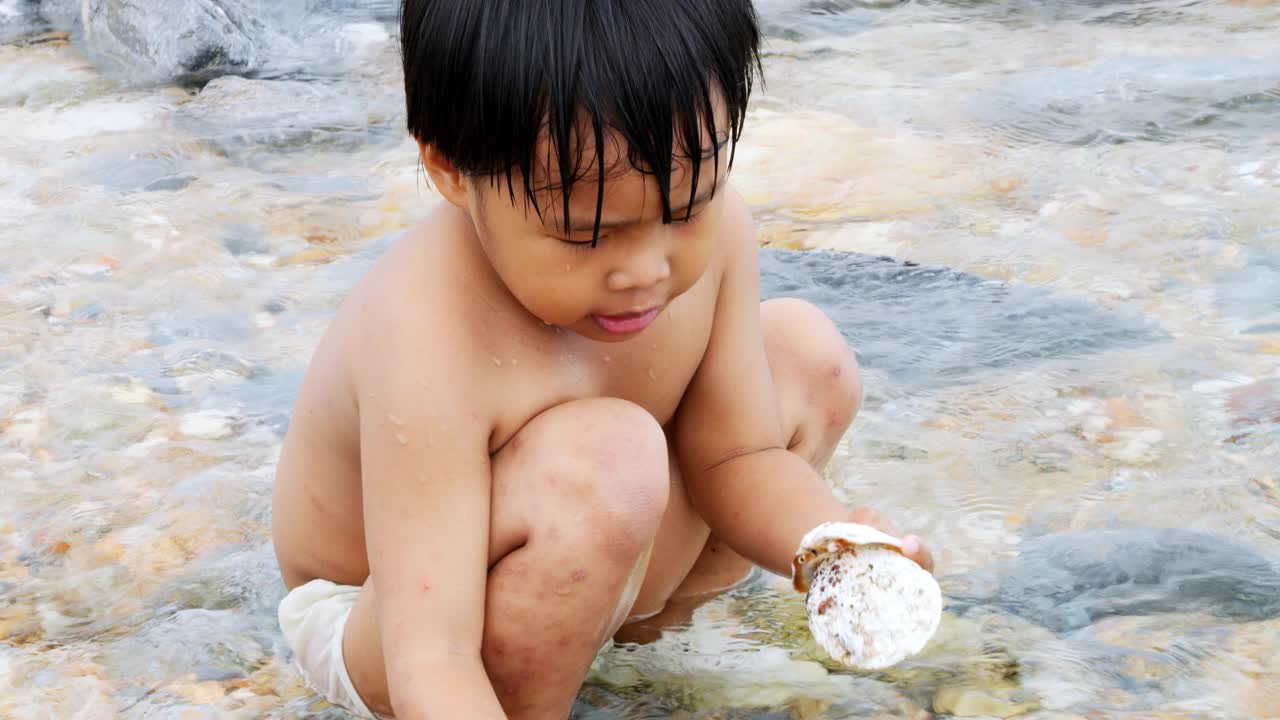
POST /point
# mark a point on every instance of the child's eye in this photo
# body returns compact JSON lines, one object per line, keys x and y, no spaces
{"x":582,"y":244}
{"x":694,"y":216}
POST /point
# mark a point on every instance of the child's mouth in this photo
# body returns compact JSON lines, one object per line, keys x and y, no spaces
{"x":626,"y":323}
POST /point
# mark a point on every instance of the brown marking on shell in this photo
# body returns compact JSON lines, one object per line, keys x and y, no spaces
{"x":826,"y":605}
{"x":806,"y":562}
{"x":800,"y":578}
{"x":831,"y":539}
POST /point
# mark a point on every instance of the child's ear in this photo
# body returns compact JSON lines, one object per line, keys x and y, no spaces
{"x":447,"y":179}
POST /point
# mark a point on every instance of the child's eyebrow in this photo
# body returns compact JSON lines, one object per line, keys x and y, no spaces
{"x":676,"y":213}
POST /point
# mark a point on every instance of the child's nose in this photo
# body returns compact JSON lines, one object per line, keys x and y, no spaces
{"x":640,"y":270}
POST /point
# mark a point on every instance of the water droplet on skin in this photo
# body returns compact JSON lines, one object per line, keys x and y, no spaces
{"x":402,"y":438}
{"x":652,"y":375}
{"x":497,"y":361}
{"x":422,"y":478}
{"x":515,"y":361}
{"x":395,"y":420}
{"x":567,"y":268}
{"x":653,"y":346}
{"x":607,"y":359}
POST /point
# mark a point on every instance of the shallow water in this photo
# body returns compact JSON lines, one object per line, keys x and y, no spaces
{"x":1090,"y":340}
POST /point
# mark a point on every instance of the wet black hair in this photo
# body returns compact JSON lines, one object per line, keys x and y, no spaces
{"x":486,"y":79}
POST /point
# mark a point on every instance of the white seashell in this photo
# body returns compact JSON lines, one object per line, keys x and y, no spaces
{"x":869,"y":606}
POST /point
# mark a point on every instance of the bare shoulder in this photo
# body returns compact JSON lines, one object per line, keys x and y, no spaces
{"x":738,"y":224}
{"x":409,"y":307}
{"x":411,"y":280}
{"x":739,"y":254}
{"x":402,"y":330}
{"x":739,"y":246}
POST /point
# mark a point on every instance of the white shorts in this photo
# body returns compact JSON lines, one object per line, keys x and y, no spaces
{"x":312,"y":618}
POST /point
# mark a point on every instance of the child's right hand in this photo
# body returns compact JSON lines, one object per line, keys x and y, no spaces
{"x":912,"y":546}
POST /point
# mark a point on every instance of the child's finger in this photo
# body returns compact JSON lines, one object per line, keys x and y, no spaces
{"x":913,"y":547}
{"x":867,"y":515}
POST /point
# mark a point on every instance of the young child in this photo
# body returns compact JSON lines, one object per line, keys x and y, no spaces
{"x":557,"y":405}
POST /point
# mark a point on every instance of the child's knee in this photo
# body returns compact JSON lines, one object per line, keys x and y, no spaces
{"x":611,"y":473}
{"x":802,"y":338}
{"x":845,"y":386}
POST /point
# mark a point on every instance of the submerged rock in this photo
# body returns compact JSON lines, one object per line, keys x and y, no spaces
{"x":195,"y":41}
{"x":185,"y":40}
{"x":974,"y":702}
{"x":1254,"y":409}
{"x":1252,"y":293}
{"x":1140,"y":98}
{"x":800,"y":21}
{"x":18,"y":18}
{"x":809,"y":19}
{"x":236,"y":113}
{"x":929,"y":324}
{"x":240,"y":579}
{"x":1067,"y":581}
{"x":192,"y":642}
{"x":380,"y":10}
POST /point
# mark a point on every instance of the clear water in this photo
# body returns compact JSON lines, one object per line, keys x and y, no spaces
{"x":1102,"y":179}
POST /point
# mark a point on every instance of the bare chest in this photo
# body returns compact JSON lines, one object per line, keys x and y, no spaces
{"x":652,"y":370}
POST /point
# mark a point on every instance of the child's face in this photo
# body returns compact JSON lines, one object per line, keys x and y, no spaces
{"x":613,"y":291}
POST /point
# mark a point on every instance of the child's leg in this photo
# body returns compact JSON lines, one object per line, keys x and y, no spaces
{"x":815,"y":375}
{"x":819,"y":388}
{"x":577,"y":498}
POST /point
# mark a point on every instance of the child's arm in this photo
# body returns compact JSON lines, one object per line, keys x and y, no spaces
{"x":754,"y":494}
{"x":425,"y":469}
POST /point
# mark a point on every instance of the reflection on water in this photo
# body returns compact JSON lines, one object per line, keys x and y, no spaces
{"x":1064,"y":286}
